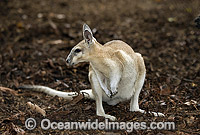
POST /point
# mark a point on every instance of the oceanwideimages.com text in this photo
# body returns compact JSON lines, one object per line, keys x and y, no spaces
{"x":46,"y":124}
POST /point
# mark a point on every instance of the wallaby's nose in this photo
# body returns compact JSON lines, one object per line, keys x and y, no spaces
{"x":67,"y":61}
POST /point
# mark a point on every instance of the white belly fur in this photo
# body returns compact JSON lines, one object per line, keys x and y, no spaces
{"x":127,"y":83}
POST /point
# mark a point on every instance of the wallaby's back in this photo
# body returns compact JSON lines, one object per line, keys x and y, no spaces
{"x":119,"y":45}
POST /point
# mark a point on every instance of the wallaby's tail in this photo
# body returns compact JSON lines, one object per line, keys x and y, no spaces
{"x":50,"y":91}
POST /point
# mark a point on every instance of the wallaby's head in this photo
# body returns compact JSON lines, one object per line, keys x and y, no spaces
{"x":81,"y":52}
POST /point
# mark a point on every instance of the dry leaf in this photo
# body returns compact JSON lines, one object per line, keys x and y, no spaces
{"x":54,"y":26}
{"x":164,"y":90}
{"x":77,"y":99}
{"x":171,"y":117}
{"x":88,"y":107}
{"x":194,"y":85}
{"x":63,"y":83}
{"x":56,"y":42}
{"x":51,"y":63}
{"x":190,"y":121}
{"x":36,"y":108}
{"x":11,"y":91}
{"x":14,"y":129}
{"x":191,"y":102}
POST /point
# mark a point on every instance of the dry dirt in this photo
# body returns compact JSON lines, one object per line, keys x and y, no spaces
{"x":36,"y":36}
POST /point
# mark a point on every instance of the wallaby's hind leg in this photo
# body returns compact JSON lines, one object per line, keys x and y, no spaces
{"x":98,"y":91}
{"x":134,"y":105}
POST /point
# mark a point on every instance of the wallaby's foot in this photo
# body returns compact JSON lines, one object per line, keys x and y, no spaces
{"x":138,"y":110}
{"x":154,"y":113}
{"x":112,"y":118}
{"x":107,"y":116}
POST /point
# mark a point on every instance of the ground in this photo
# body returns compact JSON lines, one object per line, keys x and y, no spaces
{"x":36,"y":37}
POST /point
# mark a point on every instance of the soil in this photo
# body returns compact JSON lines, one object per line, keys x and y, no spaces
{"x":36,"y":37}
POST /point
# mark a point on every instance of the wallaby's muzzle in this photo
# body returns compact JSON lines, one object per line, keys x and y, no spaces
{"x":69,"y":60}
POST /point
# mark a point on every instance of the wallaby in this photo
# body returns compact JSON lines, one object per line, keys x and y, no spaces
{"x":116,"y":73}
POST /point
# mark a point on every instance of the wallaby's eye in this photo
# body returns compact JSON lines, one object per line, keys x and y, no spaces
{"x":77,"y":50}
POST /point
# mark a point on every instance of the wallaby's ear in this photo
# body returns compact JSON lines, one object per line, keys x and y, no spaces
{"x":87,"y":34}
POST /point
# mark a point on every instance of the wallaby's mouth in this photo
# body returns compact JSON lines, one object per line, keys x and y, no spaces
{"x":70,"y":63}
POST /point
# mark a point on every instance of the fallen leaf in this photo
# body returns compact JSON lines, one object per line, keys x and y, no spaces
{"x":36,"y":108}
{"x":63,"y":83}
{"x":8,"y":90}
{"x":189,"y":10}
{"x":88,"y":107}
{"x":51,"y":63}
{"x":190,"y":120}
{"x":60,"y":16}
{"x":20,"y":24}
{"x":194,"y":85}
{"x":54,"y":26}
{"x":56,"y":42}
{"x":77,"y":99}
{"x":164,"y":90}
{"x":171,"y":19}
{"x":171,"y":117}
{"x":191,"y":102}
{"x":14,"y":130}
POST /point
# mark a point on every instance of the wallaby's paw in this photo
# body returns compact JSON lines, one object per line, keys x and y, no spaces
{"x":113,"y":91}
{"x":137,"y":110}
{"x":113,"y":94}
{"x":112,"y":118}
{"x":109,"y":94}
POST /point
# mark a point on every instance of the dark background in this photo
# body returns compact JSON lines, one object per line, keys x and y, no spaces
{"x":36,"y":37}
